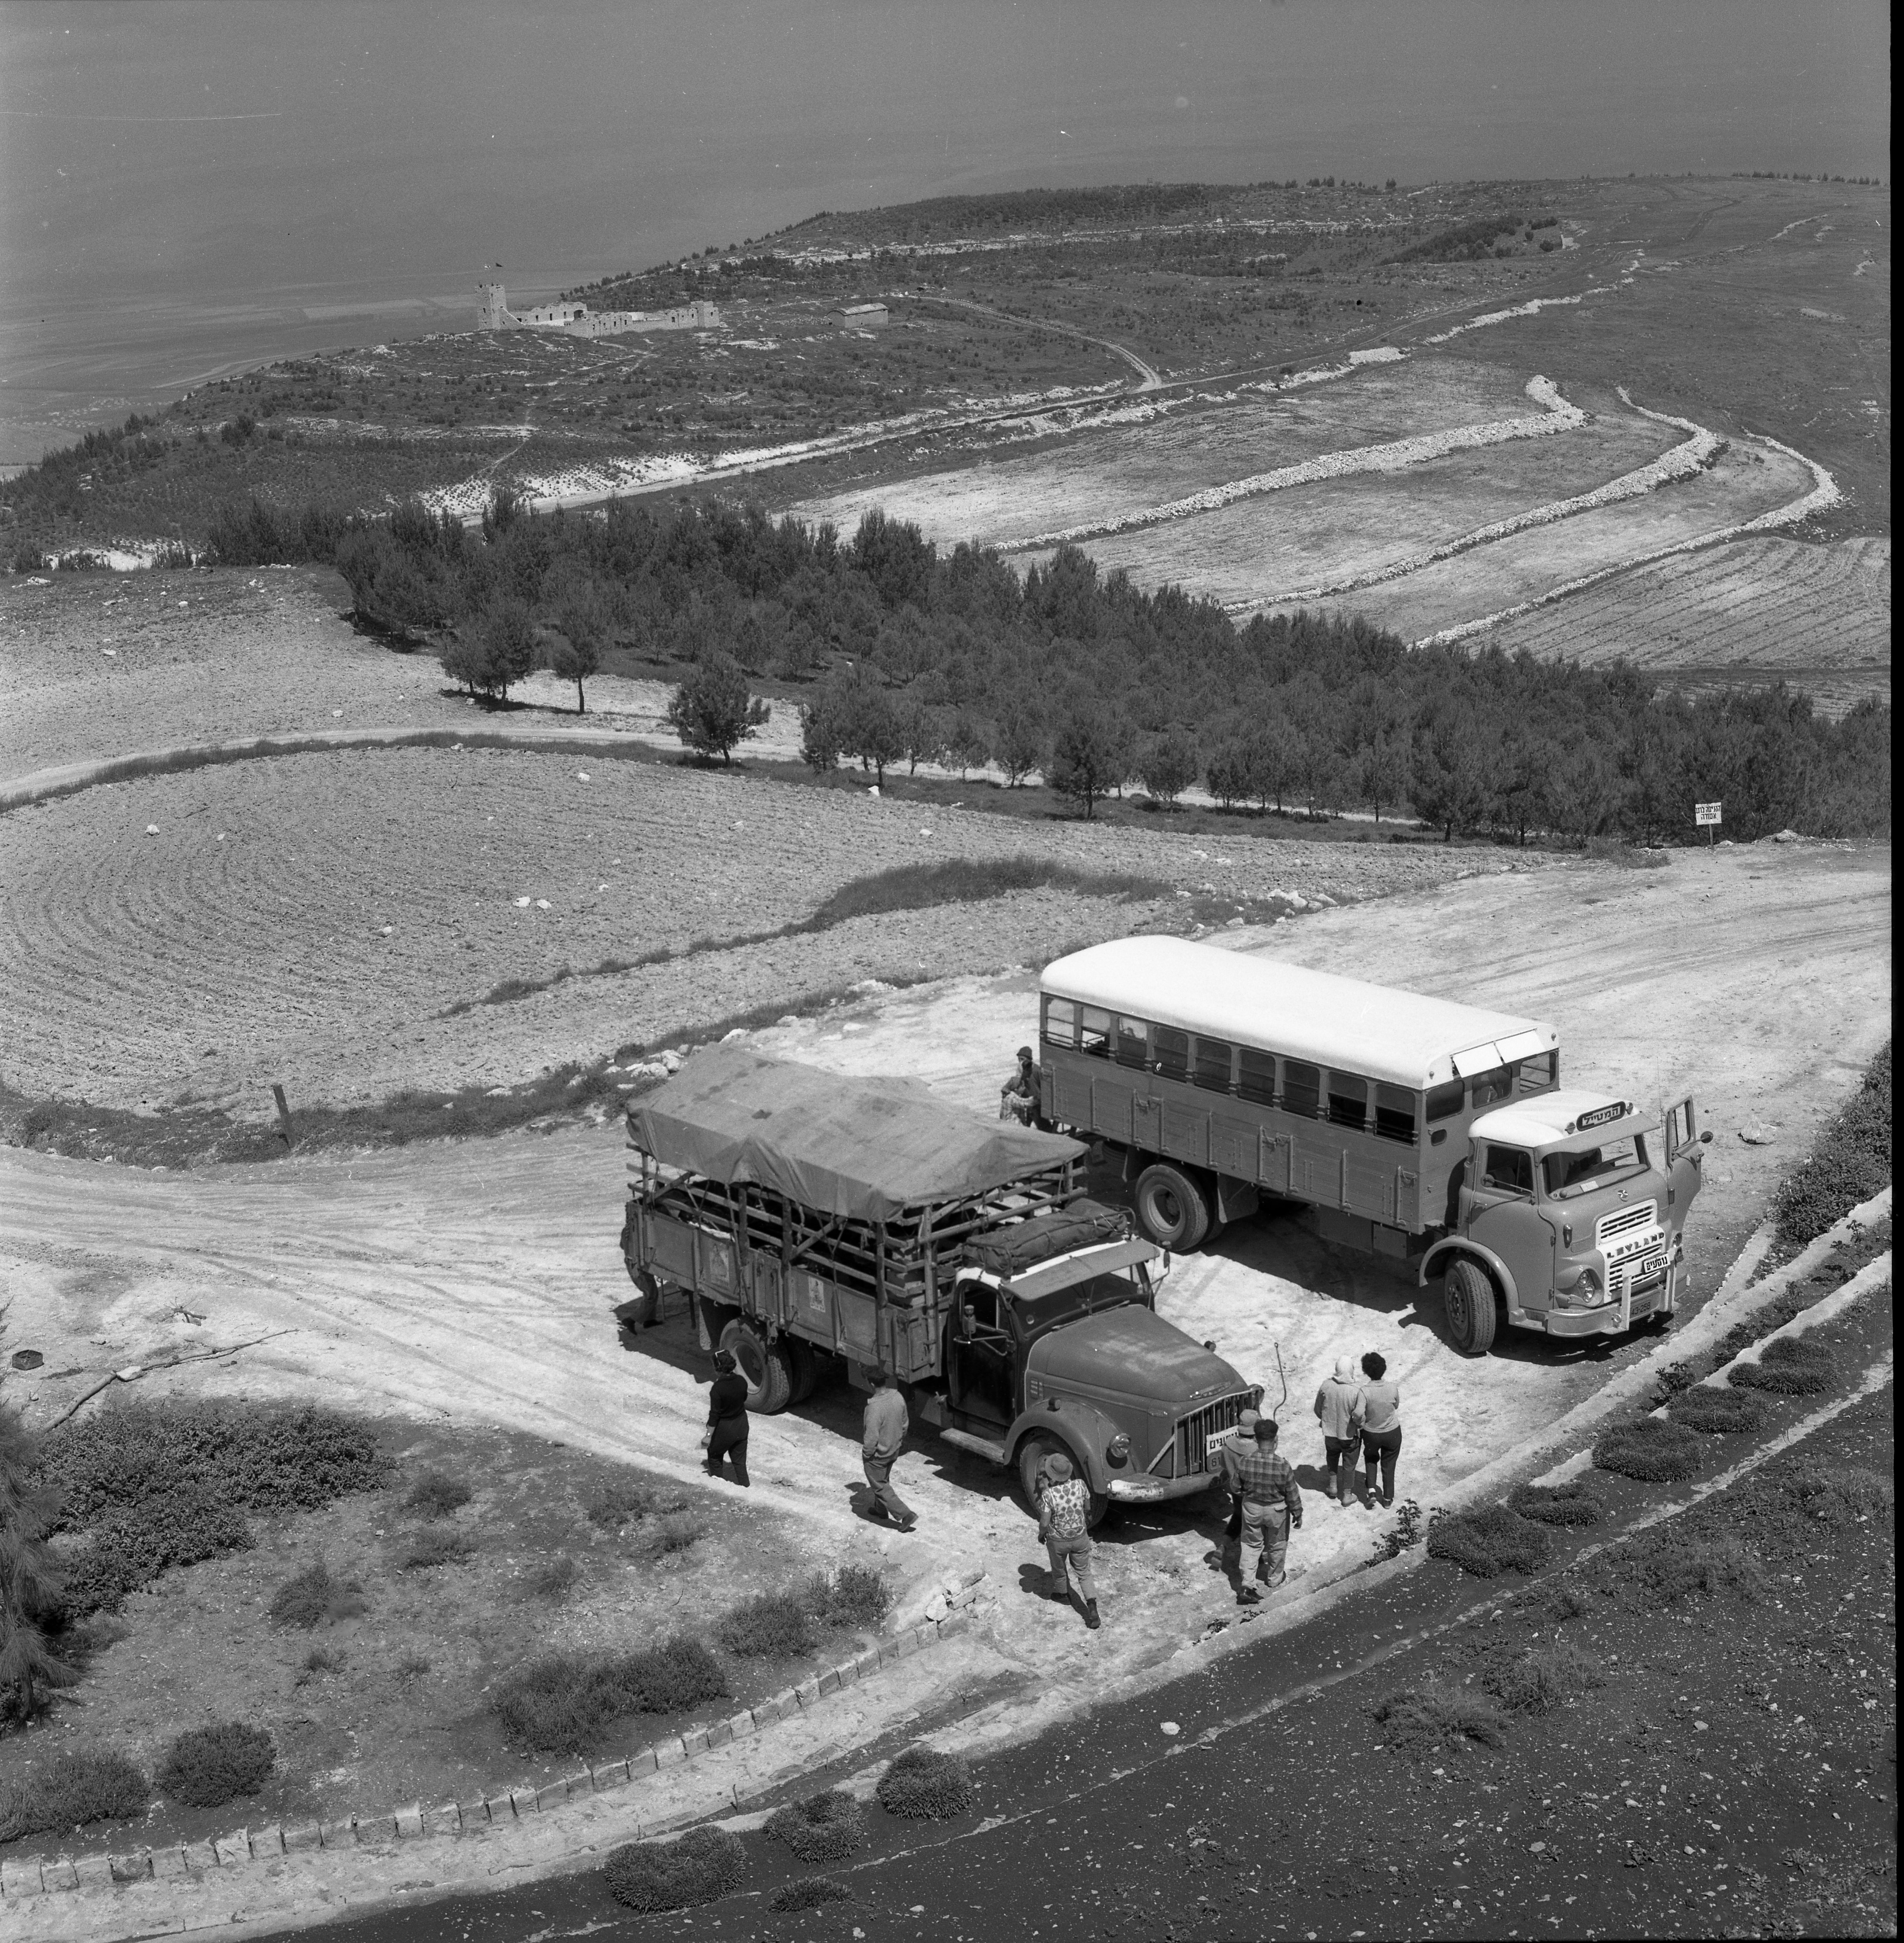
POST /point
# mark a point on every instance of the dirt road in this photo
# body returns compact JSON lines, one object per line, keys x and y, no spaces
{"x":474,"y":1281}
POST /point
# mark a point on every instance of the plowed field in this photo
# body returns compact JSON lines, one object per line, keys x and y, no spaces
{"x":306,"y":918}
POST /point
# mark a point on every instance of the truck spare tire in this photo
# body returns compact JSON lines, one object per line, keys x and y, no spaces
{"x":767,"y":1366}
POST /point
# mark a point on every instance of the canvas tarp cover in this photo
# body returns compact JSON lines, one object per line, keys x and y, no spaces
{"x":859,"y":1148}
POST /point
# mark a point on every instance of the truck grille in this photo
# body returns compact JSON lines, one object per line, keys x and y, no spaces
{"x":1628,"y":1221}
{"x":1190,"y":1447}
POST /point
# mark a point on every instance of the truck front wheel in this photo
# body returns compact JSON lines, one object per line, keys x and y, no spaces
{"x":1468,"y":1302}
{"x":1172,"y":1209}
{"x":767,"y":1366}
{"x":1032,"y":1454}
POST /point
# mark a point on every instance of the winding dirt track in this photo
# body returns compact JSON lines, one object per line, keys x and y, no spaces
{"x":473,"y":1281}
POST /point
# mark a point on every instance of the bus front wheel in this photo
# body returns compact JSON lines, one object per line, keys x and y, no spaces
{"x":1468,"y":1302}
{"x":1172,"y":1209}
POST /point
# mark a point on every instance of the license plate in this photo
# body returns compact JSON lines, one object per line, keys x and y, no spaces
{"x":1217,"y":1440}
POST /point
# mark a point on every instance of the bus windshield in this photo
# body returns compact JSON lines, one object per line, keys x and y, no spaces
{"x":1565,"y":1173}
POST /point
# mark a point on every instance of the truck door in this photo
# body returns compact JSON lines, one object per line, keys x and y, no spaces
{"x":1499,"y":1211}
{"x":980,"y":1364}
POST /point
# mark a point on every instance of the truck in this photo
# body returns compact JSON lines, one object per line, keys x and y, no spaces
{"x":811,"y":1224}
{"x":1434,"y":1133}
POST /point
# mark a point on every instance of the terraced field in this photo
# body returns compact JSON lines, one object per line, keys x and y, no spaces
{"x":310,"y":918}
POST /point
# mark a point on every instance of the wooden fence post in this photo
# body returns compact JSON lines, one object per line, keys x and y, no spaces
{"x":284,"y":1113}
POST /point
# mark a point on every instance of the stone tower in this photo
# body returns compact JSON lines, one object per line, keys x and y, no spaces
{"x":493,"y":313}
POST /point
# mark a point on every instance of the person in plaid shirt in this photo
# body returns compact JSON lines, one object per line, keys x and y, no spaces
{"x":1271,"y":1506}
{"x":1064,"y":1524}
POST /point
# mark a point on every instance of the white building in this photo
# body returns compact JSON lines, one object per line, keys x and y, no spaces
{"x":577,"y":320}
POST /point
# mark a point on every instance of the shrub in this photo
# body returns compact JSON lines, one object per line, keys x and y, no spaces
{"x":823,"y":1829}
{"x":672,"y":1532}
{"x":1840,"y":1496}
{"x":616,"y":1502}
{"x":1425,"y":1719}
{"x":1536,"y":1681}
{"x":211,"y":1766}
{"x":1557,"y":1504}
{"x":923,"y":1784}
{"x":430,"y":1549}
{"x":769,"y":1625}
{"x":1653,"y":1450}
{"x":73,"y":1790}
{"x":809,"y":1892}
{"x":130,"y":1545}
{"x":1659,"y":1566}
{"x":436,"y":1494}
{"x":317,"y":1661}
{"x":413,"y":1666}
{"x":565,"y":1702}
{"x":851,"y":1595}
{"x":555,"y":1576}
{"x":1714,"y":1411}
{"x":314,"y":1597}
{"x":1792,"y":1365}
{"x":1489,"y":1542}
{"x":702,"y":1866}
{"x":1850,"y":1163}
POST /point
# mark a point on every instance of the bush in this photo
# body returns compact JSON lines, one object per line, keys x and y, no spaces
{"x":809,"y":1892}
{"x":1652,"y":1450}
{"x":924,"y":1785}
{"x":1557,"y":1504}
{"x":670,"y":1533}
{"x":823,"y":1829}
{"x":770,"y":1625}
{"x":565,"y":1702}
{"x":436,"y":1494}
{"x":1536,"y":1681}
{"x":701,"y":1866}
{"x":1660,"y":1566}
{"x":130,"y":1545}
{"x":211,"y":1766}
{"x":1425,"y":1719}
{"x":1839,"y":1497}
{"x":314,"y":1597}
{"x":72,"y":1790}
{"x":1714,"y":1412}
{"x":553,"y":1578}
{"x":850,"y":1596}
{"x":432,"y":1549}
{"x":1792,"y":1365}
{"x":1850,"y":1162}
{"x":616,"y":1502}
{"x":1489,"y":1542}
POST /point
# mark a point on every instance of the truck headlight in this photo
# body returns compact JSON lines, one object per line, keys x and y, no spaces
{"x":1118,"y":1450}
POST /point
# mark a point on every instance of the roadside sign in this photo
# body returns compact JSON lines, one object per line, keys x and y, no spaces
{"x":1705,"y":812}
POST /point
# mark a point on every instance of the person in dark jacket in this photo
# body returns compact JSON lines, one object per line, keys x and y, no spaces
{"x":1021,"y":1097}
{"x":727,"y":1419}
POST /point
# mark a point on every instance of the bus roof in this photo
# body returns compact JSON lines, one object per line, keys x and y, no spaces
{"x":1402,"y":1037}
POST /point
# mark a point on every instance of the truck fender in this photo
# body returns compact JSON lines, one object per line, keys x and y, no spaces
{"x":1438,"y":1257}
{"x":1083,"y":1430}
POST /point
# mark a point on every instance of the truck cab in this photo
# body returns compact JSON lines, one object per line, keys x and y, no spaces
{"x":1569,"y":1218}
{"x":1052,"y":1347}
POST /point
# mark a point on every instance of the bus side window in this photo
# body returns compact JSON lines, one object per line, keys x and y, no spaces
{"x":1093,"y":1031}
{"x":1302,"y":1088}
{"x":1395,"y":1112}
{"x":1445,"y":1102}
{"x":1495,"y":1085}
{"x":1060,"y":1022}
{"x":1212,"y":1071}
{"x":1173,"y":1051}
{"x":1133,"y":1042}
{"x":1257,"y":1078}
{"x":1537,"y":1073}
{"x":1348,"y":1099}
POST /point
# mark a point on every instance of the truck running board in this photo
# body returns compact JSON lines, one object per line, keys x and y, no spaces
{"x":982,"y":1447}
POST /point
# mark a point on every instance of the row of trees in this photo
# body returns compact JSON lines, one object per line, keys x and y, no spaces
{"x":905,"y":653}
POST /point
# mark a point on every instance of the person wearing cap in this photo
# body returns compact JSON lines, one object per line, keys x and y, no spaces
{"x":1064,"y":1524}
{"x":1021,"y":1096}
{"x":1271,"y":1508}
{"x":726,"y":1432}
{"x":1231,"y":1454}
{"x":1339,"y":1410}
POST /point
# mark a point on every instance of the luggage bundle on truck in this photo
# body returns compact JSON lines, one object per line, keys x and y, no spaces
{"x":810,"y":1221}
{"x":1413,"y":1127}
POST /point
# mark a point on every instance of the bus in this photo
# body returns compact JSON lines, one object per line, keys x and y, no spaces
{"x":1407,"y":1126}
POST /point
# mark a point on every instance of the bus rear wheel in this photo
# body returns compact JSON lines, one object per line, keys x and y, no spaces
{"x":1468,"y":1302}
{"x":767,"y":1366}
{"x":1172,"y":1209}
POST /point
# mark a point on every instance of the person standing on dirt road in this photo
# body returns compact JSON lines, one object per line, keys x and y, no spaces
{"x":1381,"y":1426}
{"x":726,"y":1434}
{"x":883,"y":1437}
{"x":1272,"y":1509}
{"x":1064,"y":1524}
{"x":1023,"y":1094}
{"x":1338,"y":1409}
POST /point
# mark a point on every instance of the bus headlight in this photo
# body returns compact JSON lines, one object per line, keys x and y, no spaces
{"x":1118,"y":1450}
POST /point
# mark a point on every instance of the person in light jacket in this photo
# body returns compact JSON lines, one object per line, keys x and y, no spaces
{"x":883,"y":1438}
{"x":1381,"y":1426}
{"x":1338,"y":1409}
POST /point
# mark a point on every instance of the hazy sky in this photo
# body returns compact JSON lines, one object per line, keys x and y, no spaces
{"x":238,"y":144}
